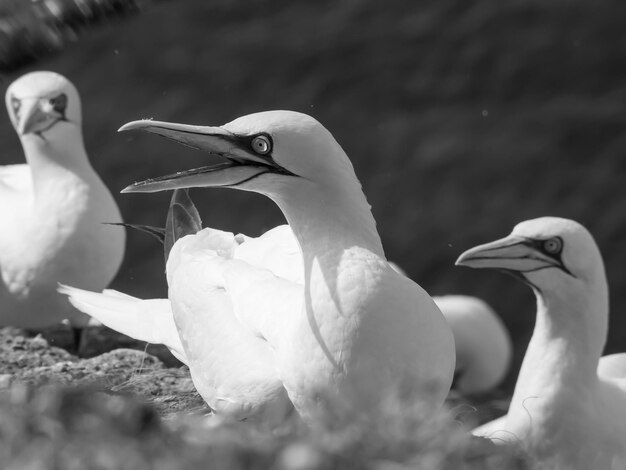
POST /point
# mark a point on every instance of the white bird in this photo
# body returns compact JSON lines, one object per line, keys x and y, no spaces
{"x":152,"y":320}
{"x":613,"y":365}
{"x":352,"y":326}
{"x":483,"y":344}
{"x":52,"y":208}
{"x":562,"y":411}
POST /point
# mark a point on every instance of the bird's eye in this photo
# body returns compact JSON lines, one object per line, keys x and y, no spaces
{"x":15,"y":104}
{"x":261,"y":144}
{"x":59,"y":103}
{"x":553,"y":246}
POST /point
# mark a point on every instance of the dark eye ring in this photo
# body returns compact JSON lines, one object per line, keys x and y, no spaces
{"x":262,"y":145}
{"x":59,"y":103}
{"x":15,"y":104}
{"x":553,"y":246}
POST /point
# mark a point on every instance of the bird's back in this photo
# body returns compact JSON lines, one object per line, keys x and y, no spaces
{"x":612,"y":411}
{"x":613,"y":365}
{"x":483,"y":345}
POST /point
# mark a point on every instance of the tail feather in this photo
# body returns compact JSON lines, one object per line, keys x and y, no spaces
{"x":115,"y":293}
{"x":146,"y":320}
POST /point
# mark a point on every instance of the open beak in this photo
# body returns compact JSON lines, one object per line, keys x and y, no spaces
{"x":512,"y":253}
{"x":36,"y":116}
{"x":241,"y":163}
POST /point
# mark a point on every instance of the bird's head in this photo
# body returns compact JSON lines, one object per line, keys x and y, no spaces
{"x":549,"y":253}
{"x":263,"y":152}
{"x":43,"y":105}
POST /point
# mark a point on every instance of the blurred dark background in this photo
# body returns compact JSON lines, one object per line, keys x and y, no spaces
{"x":461,"y":119}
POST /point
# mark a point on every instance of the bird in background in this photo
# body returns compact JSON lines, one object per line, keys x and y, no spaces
{"x":257,"y":342}
{"x":484,"y":348}
{"x":52,"y":209}
{"x":613,"y":365}
{"x":566,"y":414}
{"x":483,"y":345}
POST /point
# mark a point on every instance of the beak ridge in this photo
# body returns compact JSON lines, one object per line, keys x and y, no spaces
{"x":163,"y":127}
{"x":31,"y":115}
{"x":208,"y":139}
{"x":512,"y":253}
{"x":507,"y":247}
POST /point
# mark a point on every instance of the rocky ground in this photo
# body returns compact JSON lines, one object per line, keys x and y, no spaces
{"x":124,"y":408}
{"x":110,"y":367}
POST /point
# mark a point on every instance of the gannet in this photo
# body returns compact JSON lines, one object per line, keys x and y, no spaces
{"x":483,"y":344}
{"x":152,"y":320}
{"x":352,"y":326}
{"x":613,"y":365}
{"x":563,"y":412}
{"x":52,"y":208}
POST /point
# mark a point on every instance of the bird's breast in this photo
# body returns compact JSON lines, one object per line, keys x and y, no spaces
{"x":366,"y":328}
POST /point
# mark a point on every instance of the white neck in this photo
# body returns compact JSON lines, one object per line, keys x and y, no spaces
{"x":338,"y":239}
{"x":48,"y":158}
{"x":327,"y":221}
{"x":568,"y":339}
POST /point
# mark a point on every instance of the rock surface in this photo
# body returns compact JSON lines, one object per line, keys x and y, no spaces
{"x":124,"y":409}
{"x":32,"y":361}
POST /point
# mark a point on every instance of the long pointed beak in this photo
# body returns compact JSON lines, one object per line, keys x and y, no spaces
{"x":240,"y":165}
{"x":31,"y":117}
{"x":512,"y":253}
{"x":209,"y":139}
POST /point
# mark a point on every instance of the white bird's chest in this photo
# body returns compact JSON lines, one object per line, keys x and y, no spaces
{"x":48,"y":234}
{"x":360,"y":334}
{"x":570,"y":426}
{"x":336,"y":302}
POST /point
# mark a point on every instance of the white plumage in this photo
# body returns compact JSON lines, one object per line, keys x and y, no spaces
{"x":482,"y":342}
{"x":148,"y":320}
{"x":251,"y":326}
{"x":563,"y":412}
{"x":613,"y":365}
{"x":52,"y":208}
{"x":483,"y":345}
